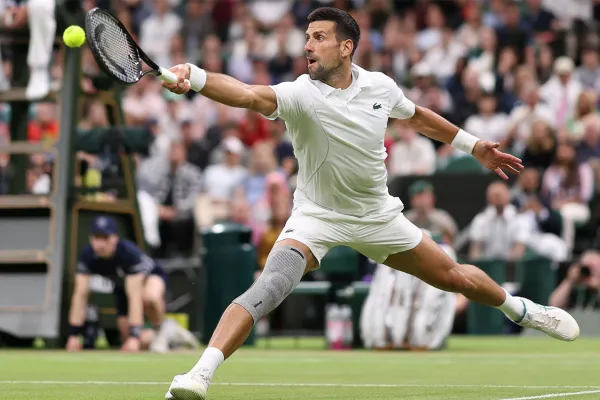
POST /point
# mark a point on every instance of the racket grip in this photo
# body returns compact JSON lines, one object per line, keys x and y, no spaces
{"x":168,"y":76}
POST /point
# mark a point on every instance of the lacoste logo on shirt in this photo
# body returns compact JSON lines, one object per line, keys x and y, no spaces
{"x":376,"y":106}
{"x":289,"y":230}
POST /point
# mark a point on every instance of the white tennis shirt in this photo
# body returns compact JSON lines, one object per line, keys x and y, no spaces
{"x":338,"y":140}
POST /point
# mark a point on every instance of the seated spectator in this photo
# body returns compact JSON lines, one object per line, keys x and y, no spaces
{"x":176,"y":195}
{"x":45,"y":126}
{"x":585,"y":111}
{"x":262,"y":162}
{"x":562,"y":90}
{"x":541,"y":146}
{"x":495,"y":232}
{"x":424,"y":215}
{"x":412,"y":154}
{"x":588,"y":149}
{"x":582,"y":274}
{"x":253,"y":128}
{"x":568,"y":187}
{"x":588,"y":72}
{"x":284,"y":151}
{"x":523,"y":116}
{"x":220,"y":180}
{"x":158,"y":30}
{"x":483,"y":58}
{"x":536,"y":217}
{"x":38,"y":181}
{"x":488,"y":124}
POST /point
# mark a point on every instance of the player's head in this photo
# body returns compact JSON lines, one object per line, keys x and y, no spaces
{"x":331,"y":40}
{"x":104,"y":236}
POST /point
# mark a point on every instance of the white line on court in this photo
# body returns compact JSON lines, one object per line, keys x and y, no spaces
{"x":552,"y":395}
{"x":283,"y":384}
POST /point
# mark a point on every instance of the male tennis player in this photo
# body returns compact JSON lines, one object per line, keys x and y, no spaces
{"x":337,"y":117}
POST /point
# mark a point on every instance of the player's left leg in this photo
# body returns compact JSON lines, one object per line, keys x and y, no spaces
{"x":411,"y":251}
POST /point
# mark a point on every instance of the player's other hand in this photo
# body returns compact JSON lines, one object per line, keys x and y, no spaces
{"x":74,"y":343}
{"x":131,"y":345}
{"x":183,"y":75}
{"x":489,"y":156}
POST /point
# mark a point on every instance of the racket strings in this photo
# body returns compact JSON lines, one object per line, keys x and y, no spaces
{"x":113,"y":48}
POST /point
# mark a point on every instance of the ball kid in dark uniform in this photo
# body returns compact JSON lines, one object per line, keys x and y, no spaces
{"x":140,"y":285}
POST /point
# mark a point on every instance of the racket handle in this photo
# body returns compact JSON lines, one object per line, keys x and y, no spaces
{"x":168,"y":76}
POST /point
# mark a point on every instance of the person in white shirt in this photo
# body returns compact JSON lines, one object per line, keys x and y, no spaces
{"x":562,"y":90}
{"x":158,"y":30}
{"x":412,"y":154}
{"x":220,"y":180}
{"x":337,"y":116}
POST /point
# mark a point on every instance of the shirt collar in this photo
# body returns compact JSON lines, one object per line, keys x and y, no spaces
{"x":360,"y":80}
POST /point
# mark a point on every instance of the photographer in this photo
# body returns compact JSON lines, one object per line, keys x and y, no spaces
{"x":584,"y":273}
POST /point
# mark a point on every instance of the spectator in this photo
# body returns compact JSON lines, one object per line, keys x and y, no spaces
{"x":513,"y":32}
{"x":483,"y":57}
{"x":537,"y":218}
{"x":197,"y":26}
{"x":585,"y":110}
{"x":262,"y":162}
{"x":45,"y":126}
{"x":38,"y":181}
{"x":589,"y":71}
{"x":431,"y":36}
{"x":424,"y":214}
{"x":583,"y":273}
{"x":495,"y":232}
{"x":568,"y":186}
{"x":220,"y":180}
{"x":158,"y":30}
{"x":562,"y":90}
{"x":284,"y":151}
{"x":412,"y":154}
{"x":445,"y":55}
{"x":541,"y":22}
{"x":176,"y":195}
{"x":488,"y":124}
{"x":523,"y":116}
{"x":197,"y":151}
{"x":588,"y":149}
{"x":280,"y":212}
{"x":541,"y":146}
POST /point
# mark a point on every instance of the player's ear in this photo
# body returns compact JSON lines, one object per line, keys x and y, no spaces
{"x":347,"y":46}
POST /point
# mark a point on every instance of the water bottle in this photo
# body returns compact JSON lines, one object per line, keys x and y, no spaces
{"x":334,"y":326}
{"x":91,"y":328}
{"x":348,"y":336}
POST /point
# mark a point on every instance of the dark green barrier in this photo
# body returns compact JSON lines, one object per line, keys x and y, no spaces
{"x":485,"y":320}
{"x":229,"y":263}
{"x":135,"y":140}
{"x":537,"y":277}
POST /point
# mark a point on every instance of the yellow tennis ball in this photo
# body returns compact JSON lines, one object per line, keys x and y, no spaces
{"x":74,"y":36}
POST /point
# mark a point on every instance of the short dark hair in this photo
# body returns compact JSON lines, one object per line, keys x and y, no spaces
{"x":346,"y":27}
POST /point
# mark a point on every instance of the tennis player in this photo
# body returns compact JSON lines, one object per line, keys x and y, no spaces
{"x":337,"y":117}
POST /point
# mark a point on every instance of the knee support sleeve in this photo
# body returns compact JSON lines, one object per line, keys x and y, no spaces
{"x":283,"y":271}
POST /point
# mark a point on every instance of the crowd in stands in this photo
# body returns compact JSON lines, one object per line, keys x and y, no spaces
{"x":523,"y":73}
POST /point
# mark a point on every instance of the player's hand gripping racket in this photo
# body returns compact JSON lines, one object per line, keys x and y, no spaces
{"x":115,"y":51}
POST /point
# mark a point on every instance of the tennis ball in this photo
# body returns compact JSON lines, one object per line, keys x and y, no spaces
{"x":74,"y":36}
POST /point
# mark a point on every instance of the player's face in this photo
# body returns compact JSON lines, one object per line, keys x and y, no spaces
{"x":323,"y":50}
{"x":104,"y":246}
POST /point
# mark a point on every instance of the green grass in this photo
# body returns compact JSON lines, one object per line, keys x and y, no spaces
{"x":472,"y":368}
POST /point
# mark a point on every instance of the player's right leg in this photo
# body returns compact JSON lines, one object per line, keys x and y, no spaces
{"x":287,"y":263}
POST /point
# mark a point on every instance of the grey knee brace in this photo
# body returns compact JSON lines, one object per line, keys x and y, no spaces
{"x":283,"y":271}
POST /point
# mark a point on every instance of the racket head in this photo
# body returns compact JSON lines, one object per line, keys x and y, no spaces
{"x":114,"y":50}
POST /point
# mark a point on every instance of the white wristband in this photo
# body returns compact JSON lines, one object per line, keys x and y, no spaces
{"x":197,"y":77}
{"x":464,"y":141}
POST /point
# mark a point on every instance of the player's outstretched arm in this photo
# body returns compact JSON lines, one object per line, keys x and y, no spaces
{"x":438,"y":128}
{"x":223,"y":89}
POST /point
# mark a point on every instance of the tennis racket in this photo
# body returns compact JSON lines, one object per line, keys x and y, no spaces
{"x":115,"y":51}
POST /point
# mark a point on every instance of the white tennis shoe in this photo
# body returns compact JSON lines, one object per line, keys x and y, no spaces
{"x":190,"y":386}
{"x":553,"y":321}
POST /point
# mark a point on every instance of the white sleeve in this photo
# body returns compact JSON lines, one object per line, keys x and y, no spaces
{"x":290,"y":101}
{"x":476,"y":233}
{"x":400,"y":106}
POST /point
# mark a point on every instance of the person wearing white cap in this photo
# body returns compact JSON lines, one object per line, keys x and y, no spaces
{"x":221,"y":179}
{"x":562,"y":90}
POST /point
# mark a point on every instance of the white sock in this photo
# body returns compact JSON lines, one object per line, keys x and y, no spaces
{"x":513,"y":308}
{"x":209,"y":362}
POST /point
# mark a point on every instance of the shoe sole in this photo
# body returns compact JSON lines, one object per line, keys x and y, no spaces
{"x":186,"y":394}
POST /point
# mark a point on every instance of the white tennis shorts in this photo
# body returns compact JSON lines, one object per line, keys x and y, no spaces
{"x":376,"y":237}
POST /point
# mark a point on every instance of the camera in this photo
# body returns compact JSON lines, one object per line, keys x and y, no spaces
{"x":585,"y":271}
